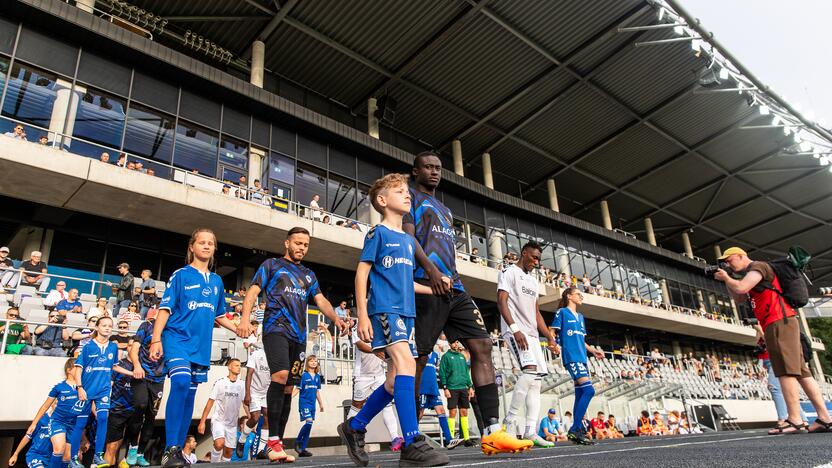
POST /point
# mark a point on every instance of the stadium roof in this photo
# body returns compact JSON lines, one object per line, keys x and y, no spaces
{"x":556,"y":88}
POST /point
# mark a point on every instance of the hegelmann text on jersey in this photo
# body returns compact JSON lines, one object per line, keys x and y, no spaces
{"x":389,"y":261}
{"x":194,"y":304}
{"x":575,"y":332}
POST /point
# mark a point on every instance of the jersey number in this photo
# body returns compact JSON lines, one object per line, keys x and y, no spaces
{"x":296,"y":368}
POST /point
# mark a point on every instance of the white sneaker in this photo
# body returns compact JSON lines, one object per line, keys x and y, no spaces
{"x":540,"y":441}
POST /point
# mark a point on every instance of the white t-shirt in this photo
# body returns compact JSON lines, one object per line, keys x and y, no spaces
{"x":522,"y":289}
{"x":190,"y":457}
{"x":228,"y":399}
{"x":366,"y":364}
{"x":262,"y":377}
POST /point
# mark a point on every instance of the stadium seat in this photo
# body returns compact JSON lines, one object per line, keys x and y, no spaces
{"x":38,"y":315}
{"x":76,"y":320}
{"x":23,"y":291}
{"x":87,"y":297}
{"x":134,"y":325}
{"x":29,"y":303}
{"x":216,"y":352}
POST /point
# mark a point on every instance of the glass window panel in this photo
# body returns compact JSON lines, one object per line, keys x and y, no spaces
{"x":234,"y":152}
{"x":199,"y":109}
{"x":49,"y":52}
{"x":604,"y":271}
{"x":591,"y":265}
{"x":282,"y":168}
{"x":283,"y":140}
{"x":478,"y":240}
{"x":455,"y":204}
{"x":99,"y":119}
{"x":196,"y":149}
{"x":154,"y":92}
{"x":526,"y":228}
{"x":260,"y":132}
{"x":310,"y":181}
{"x":31,"y":95}
{"x":101,"y":72}
{"x":459,"y":234}
{"x":149,"y":133}
{"x":474,"y":212}
{"x":8,"y":32}
{"x":281,"y":191}
{"x":230,"y":175}
{"x":341,"y":196}
{"x":513,"y":243}
{"x":311,"y":151}
{"x":494,"y":219}
{"x":342,"y":163}
{"x":235,"y":122}
{"x":364,"y":206}
{"x":368,"y":172}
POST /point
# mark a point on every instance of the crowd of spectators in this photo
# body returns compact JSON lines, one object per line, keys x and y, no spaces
{"x":554,"y":428}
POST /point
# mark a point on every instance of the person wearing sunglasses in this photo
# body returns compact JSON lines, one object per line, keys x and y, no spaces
{"x":18,"y":334}
{"x":131,"y":314}
{"x":122,"y":339}
{"x":49,"y":338}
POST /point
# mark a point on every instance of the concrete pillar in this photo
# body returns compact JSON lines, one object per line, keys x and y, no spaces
{"x":686,"y":244}
{"x":735,"y":311}
{"x":62,"y":121}
{"x":648,"y":228}
{"x":665,"y":292}
{"x":495,"y":246}
{"x":487,"y":177}
{"x":46,"y":244}
{"x":255,"y":164}
{"x":605,"y":215}
{"x":85,"y":5}
{"x":375,"y":216}
{"x":258,"y":54}
{"x":372,"y":121}
{"x":34,"y":240}
{"x":468,"y":236}
{"x":553,"y":195}
{"x":563,"y":263}
{"x":677,"y":349}
{"x":717,"y":251}
{"x":456,"y":150}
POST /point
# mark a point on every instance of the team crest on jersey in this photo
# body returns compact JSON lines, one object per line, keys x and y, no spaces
{"x":387,"y":261}
{"x":302,"y":356}
{"x":308,"y":278}
{"x":110,"y":356}
{"x":206,"y":292}
{"x":400,"y":323}
{"x":105,"y":399}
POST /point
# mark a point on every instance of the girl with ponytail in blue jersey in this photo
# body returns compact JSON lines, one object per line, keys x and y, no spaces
{"x":64,"y":396}
{"x":93,"y":372}
{"x":310,"y":392}
{"x":569,"y":330}
{"x":193,"y":301}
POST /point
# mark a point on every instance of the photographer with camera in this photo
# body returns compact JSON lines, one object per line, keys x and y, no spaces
{"x":49,"y":338}
{"x":760,"y":286}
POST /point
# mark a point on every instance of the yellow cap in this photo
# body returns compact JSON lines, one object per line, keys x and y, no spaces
{"x":731,"y":251}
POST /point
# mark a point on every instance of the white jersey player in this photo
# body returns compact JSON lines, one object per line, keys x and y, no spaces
{"x":226,"y":399}
{"x":522,"y":324}
{"x":258,"y":379}
{"x":368,"y":374}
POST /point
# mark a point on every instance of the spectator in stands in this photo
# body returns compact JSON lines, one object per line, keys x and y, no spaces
{"x":131,"y":314}
{"x":342,"y":310}
{"x":189,"y":449}
{"x":242,"y":191}
{"x":122,"y":160}
{"x":760,"y":286}
{"x":131,"y":166}
{"x":70,"y":305}
{"x":99,"y":309}
{"x":587,"y":284}
{"x":256,"y":191}
{"x":43,"y":140}
{"x":147,"y":289}
{"x":673,"y":422}
{"x":567,"y":420}
{"x":124,"y":289}
{"x":150,"y":171}
{"x":6,"y":264}
{"x":326,"y":220}
{"x":475,"y":255}
{"x":34,"y":272}
{"x":18,"y":334}
{"x":613,"y":428}
{"x":599,"y":427}
{"x":105,"y":157}
{"x":139,"y":167}
{"x":56,"y":295}
{"x":49,"y":338}
{"x":122,"y":339}
{"x":659,"y":426}
{"x":17,"y":132}
{"x":316,"y":208}
{"x":226,"y":190}
{"x":550,"y":428}
{"x":82,"y":336}
{"x":644,"y":427}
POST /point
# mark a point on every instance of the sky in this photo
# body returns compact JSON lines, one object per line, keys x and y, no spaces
{"x":784,"y":43}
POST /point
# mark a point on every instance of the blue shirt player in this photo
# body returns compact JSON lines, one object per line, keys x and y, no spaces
{"x":289,"y":287}
{"x":40,"y":451}
{"x":384,"y":296}
{"x":569,"y":330}
{"x":192,"y":302}
{"x":64,"y":397}
{"x":147,"y":386}
{"x":429,"y":397}
{"x":93,"y":371}
{"x":310,"y":392}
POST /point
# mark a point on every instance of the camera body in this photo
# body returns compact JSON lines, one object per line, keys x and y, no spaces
{"x":60,"y":319}
{"x":711,"y":270}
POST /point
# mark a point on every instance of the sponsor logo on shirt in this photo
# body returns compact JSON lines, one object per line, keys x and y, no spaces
{"x":194,"y":304}
{"x":528,"y":291}
{"x":308,"y":279}
{"x":389,"y":261}
{"x":442,"y":230}
{"x":392,"y":245}
{"x":189,"y":287}
{"x":575,"y":332}
{"x":206,"y":292}
{"x":296,"y":291}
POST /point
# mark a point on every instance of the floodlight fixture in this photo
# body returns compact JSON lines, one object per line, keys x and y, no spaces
{"x":805,"y":146}
{"x":764,"y":110}
{"x":723,"y":73}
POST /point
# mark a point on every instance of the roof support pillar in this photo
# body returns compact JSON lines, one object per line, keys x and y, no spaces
{"x":648,"y":228}
{"x":372,"y":121}
{"x":665,"y":291}
{"x":605,"y":215}
{"x":456,"y":149}
{"x":258,"y":54}
{"x":375,"y":216}
{"x":553,"y":195}
{"x":487,"y":176}
{"x":717,"y":251}
{"x":686,"y":244}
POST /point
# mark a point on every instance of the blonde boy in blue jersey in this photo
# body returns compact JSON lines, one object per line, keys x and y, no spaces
{"x":385,"y":319}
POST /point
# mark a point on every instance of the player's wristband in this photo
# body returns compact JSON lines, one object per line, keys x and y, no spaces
{"x":29,"y":436}
{"x":514,"y":328}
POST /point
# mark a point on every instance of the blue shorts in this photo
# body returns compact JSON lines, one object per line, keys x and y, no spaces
{"x":102,"y":403}
{"x":60,"y":427}
{"x":576,"y":370}
{"x":391,"y":328}
{"x":307,"y":412}
{"x":37,"y":460}
{"x":199,"y":373}
{"x":429,"y":401}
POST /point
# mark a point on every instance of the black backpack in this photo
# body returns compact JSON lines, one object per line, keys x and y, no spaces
{"x":794,"y":287}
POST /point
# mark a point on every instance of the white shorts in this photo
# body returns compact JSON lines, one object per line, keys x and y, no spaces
{"x":363,"y":387}
{"x":258,"y":402}
{"x":531,"y":356}
{"x":221,"y":431}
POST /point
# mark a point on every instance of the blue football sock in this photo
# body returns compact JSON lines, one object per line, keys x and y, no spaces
{"x":78,"y":432}
{"x":101,"y":430}
{"x":446,"y":430}
{"x":583,"y":395}
{"x":187,"y":414}
{"x":180,"y":382}
{"x":56,"y":460}
{"x":373,"y":406}
{"x":303,"y":436}
{"x":403,"y":388}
